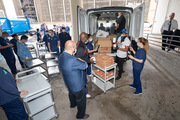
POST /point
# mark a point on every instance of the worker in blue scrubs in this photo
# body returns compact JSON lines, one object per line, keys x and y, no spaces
{"x":90,"y":51}
{"x":7,"y":52}
{"x":53,"y":42}
{"x":45,"y":39}
{"x":138,"y":63}
{"x":9,"y":96}
{"x":63,"y":36}
{"x":14,"y":42}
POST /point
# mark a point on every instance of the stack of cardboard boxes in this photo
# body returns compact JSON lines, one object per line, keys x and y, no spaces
{"x":103,"y":60}
{"x":101,"y":74}
{"x":105,"y":43}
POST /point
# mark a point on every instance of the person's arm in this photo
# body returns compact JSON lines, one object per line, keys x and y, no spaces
{"x":79,"y":64}
{"x":133,"y":58}
{"x":117,"y":27}
{"x":21,"y":51}
{"x":124,"y":49}
{"x":9,"y":45}
{"x":140,"y":57}
{"x":91,"y":51}
{"x":49,"y":47}
{"x":58,"y":44}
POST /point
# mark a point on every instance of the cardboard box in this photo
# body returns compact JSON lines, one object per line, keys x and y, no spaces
{"x":104,"y":50}
{"x":103,"y":60}
{"x":104,"y":42}
{"x":101,"y":74}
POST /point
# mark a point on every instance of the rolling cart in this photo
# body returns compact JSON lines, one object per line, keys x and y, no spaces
{"x":39,"y":102}
{"x":104,"y":84}
{"x":32,"y":50}
{"x":41,"y":49}
{"x":52,"y":63}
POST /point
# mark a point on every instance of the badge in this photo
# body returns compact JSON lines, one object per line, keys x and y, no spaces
{"x":5,"y":72}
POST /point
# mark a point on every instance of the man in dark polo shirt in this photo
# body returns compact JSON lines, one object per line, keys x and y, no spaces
{"x":121,"y":21}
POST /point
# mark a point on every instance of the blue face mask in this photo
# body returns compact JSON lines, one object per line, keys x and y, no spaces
{"x":1,"y":58}
{"x":86,"y":42}
{"x":91,"y":40}
{"x":75,"y":51}
{"x":137,"y":44}
{"x":47,"y":33}
{"x":50,"y":34}
{"x":117,"y":16}
{"x":5,"y":38}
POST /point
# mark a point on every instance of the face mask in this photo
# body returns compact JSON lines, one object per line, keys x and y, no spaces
{"x":50,"y":34}
{"x":117,"y":16}
{"x":137,"y":44}
{"x":74,"y":51}
{"x":5,"y":38}
{"x":91,"y":40}
{"x":47,"y":33}
{"x":1,"y":58}
{"x":86,"y":42}
{"x":63,"y":30}
{"x":18,"y":38}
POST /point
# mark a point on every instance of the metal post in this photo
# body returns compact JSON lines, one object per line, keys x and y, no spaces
{"x":50,"y":11}
{"x":64,"y":12}
{"x":94,"y":3}
{"x":36,"y":11}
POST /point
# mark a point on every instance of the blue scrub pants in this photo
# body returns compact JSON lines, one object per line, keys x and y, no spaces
{"x":11,"y":61}
{"x":88,"y":69}
{"x":55,"y":50}
{"x":118,"y":35}
{"x":137,"y":81}
{"x":15,"y":110}
{"x":62,"y":49}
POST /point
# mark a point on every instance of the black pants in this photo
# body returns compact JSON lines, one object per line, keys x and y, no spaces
{"x":120,"y":62}
{"x":166,"y":39}
{"x":78,"y":99}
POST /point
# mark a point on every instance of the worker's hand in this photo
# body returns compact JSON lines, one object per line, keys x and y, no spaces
{"x":95,"y":50}
{"x":10,"y":45}
{"x":18,"y":80}
{"x":24,"y":92}
{"x":92,"y":61}
{"x":131,"y":49}
{"x":50,"y":51}
{"x":28,"y":58}
{"x":131,"y":57}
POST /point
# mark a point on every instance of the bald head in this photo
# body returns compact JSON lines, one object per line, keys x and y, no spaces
{"x":83,"y":37}
{"x":70,"y":46}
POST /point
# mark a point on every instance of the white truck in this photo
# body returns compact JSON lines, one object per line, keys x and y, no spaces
{"x":88,"y":20}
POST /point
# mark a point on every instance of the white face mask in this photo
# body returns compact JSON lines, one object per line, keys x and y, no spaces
{"x":86,"y":42}
{"x":1,"y":58}
{"x":63,"y":30}
{"x":74,"y":51}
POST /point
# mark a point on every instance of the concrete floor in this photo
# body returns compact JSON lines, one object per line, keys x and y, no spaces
{"x":159,"y":101}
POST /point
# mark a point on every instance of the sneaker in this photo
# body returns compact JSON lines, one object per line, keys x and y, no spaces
{"x":131,"y":86}
{"x":137,"y":93}
{"x":85,"y":116}
{"x":88,"y":95}
{"x":118,"y":77}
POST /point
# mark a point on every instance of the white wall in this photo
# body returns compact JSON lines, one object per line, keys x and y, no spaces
{"x":164,"y":9}
{"x":9,"y":9}
{"x":73,"y":5}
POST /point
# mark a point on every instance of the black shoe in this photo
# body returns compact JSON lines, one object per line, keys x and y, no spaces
{"x":73,"y":106}
{"x":85,"y":116}
{"x":123,"y":71}
{"x":118,"y":77}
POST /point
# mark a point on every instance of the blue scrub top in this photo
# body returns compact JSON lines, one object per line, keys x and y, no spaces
{"x":90,"y":47}
{"x":140,"y":54}
{"x":14,"y":42}
{"x":38,"y":34}
{"x":5,"y":51}
{"x":8,"y":89}
{"x":53,"y":42}
{"x":73,"y":71}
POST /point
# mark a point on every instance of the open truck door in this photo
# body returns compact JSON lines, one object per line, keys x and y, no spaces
{"x":137,"y":26}
{"x":82,"y":19}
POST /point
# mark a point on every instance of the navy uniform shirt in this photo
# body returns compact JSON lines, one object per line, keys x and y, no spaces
{"x":140,"y":54}
{"x":90,"y":47}
{"x":73,"y":71}
{"x":53,"y":42}
{"x":63,"y":38}
{"x":14,"y":42}
{"x":5,"y":51}
{"x":8,"y":89}
{"x":38,"y":35}
{"x":121,"y":21}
